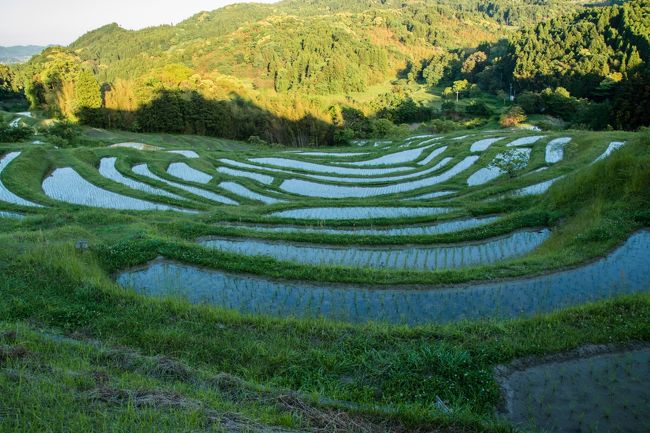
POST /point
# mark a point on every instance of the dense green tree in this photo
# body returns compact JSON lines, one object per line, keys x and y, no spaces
{"x":459,"y":87}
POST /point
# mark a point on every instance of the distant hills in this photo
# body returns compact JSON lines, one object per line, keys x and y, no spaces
{"x":323,"y":71}
{"x":19,"y":53}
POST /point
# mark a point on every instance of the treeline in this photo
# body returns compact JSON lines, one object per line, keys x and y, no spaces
{"x":585,"y":53}
{"x":590,"y":68}
{"x":271,"y":75}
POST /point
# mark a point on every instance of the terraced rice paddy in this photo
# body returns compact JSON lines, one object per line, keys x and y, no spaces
{"x":613,"y":147}
{"x":484,"y":144}
{"x":11,"y":215}
{"x":242,"y":191}
{"x":423,"y":258}
{"x":358,"y":213}
{"x":393,"y":158}
{"x":143,"y":170}
{"x":432,"y":195}
{"x":442,"y":163}
{"x":555,"y":149}
{"x":599,"y":392}
{"x":487,"y":174}
{"x":314,"y":189}
{"x":422,"y":229}
{"x":108,"y":170}
{"x":538,"y":188}
{"x":332,"y":154}
{"x":187,"y":173}
{"x":500,"y":299}
{"x":417,"y":232}
{"x":321,"y":168}
{"x":6,"y":195}
{"x":66,"y":185}
{"x":353,"y":177}
{"x":262,"y":178}
{"x":525,"y":141}
{"x":186,"y":153}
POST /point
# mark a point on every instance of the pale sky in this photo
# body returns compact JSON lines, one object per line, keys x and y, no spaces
{"x":60,"y":22}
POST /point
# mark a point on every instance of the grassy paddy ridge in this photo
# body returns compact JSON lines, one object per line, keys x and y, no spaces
{"x":376,"y":376}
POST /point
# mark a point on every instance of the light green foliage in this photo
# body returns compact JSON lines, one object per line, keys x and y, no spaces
{"x":459,"y":86}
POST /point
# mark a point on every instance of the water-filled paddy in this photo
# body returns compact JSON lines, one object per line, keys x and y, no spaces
{"x":599,"y":393}
{"x":536,"y":189}
{"x":359,"y":213}
{"x":483,"y":145}
{"x":187,"y":173}
{"x":333,"y":154}
{"x":320,"y":168}
{"x":262,"y":178}
{"x":359,"y":180}
{"x":186,"y":153}
{"x":242,"y":191}
{"x":432,"y":195}
{"x":613,"y":147}
{"x":11,"y":215}
{"x":394,"y":257}
{"x":108,"y":170}
{"x":66,"y":185}
{"x":491,"y":172}
{"x":393,"y":158}
{"x":555,"y":149}
{"x":313,"y":189}
{"x":425,"y":229}
{"x":526,"y":141}
{"x":143,"y":170}
{"x":626,"y":270}
{"x":6,"y":195}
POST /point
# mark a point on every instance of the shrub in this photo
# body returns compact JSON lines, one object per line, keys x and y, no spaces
{"x":383,"y":127}
{"x":10,"y":134}
{"x":511,"y":162}
{"x":256,"y":140}
{"x":531,"y":102}
{"x":513,"y":117}
{"x":343,"y":136}
{"x":443,"y":126}
{"x":64,"y":134}
{"x":478,"y":108}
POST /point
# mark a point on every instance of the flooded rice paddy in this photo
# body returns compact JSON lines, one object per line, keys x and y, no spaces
{"x":393,"y":257}
{"x":599,"y":393}
{"x":443,"y":227}
{"x":6,"y":195}
{"x":624,"y":271}
{"x":66,"y":185}
{"x":359,"y":213}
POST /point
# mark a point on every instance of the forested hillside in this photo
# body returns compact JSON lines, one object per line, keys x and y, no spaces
{"x":601,"y":54}
{"x":324,"y":71}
